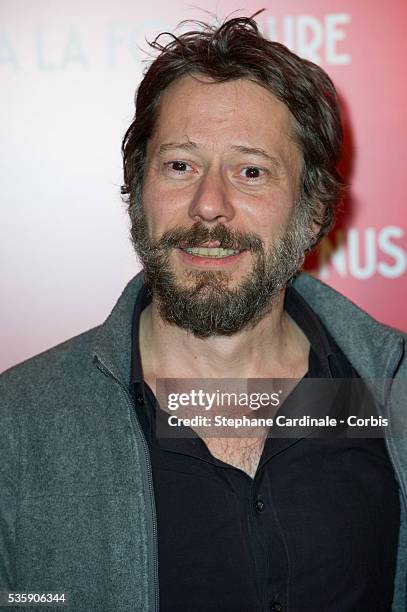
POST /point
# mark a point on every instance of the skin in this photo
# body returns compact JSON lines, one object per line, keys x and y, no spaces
{"x":213,"y":185}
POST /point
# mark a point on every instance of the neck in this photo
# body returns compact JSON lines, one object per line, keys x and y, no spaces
{"x":275,"y":347}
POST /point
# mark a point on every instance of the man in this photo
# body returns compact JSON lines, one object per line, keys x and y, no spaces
{"x":230,"y":170}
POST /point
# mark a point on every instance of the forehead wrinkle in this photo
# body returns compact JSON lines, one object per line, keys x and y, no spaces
{"x":189,"y":145}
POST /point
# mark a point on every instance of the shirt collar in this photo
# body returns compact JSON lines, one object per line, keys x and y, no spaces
{"x":322,"y":347}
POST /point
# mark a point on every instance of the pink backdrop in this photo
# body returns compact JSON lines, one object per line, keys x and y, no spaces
{"x":68,"y":72}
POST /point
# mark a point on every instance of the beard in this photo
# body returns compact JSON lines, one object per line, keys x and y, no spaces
{"x":204,"y":303}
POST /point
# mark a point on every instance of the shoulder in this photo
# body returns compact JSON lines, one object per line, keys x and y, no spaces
{"x":336,"y":308}
{"x":331,"y":304}
{"x":372,"y":347}
{"x":52,"y":372}
{"x":65,"y":375}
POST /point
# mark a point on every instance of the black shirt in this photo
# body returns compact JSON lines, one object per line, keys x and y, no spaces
{"x":315,"y":529}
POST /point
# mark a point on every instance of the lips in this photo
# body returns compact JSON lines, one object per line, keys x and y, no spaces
{"x":209,"y":257}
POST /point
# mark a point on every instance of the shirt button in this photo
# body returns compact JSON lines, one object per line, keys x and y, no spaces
{"x":259,"y":505}
{"x":276,"y":606}
{"x":139,"y":398}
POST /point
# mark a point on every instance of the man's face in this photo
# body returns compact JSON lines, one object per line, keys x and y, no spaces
{"x":222,"y":170}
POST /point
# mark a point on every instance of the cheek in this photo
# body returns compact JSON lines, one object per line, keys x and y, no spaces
{"x":162,"y":208}
{"x":271,"y":215}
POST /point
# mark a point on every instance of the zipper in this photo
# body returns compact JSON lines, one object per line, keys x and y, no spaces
{"x":153,"y":556}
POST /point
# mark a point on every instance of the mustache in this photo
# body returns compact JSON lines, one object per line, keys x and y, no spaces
{"x":198,"y":234}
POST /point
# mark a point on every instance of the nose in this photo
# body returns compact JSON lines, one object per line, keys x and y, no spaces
{"x":211,"y":201}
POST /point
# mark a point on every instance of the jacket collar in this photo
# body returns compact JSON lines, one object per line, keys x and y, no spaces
{"x":373,"y":349}
{"x":112,"y":345}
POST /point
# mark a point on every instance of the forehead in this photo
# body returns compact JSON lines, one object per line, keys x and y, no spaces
{"x":216,"y":114}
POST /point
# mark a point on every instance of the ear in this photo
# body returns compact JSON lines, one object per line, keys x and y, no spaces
{"x":315,"y":228}
{"x":319,"y":213}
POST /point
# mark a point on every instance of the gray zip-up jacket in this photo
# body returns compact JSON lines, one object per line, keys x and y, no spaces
{"x":77,"y":511}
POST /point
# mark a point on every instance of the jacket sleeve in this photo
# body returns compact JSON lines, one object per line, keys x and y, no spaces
{"x":9,"y":477}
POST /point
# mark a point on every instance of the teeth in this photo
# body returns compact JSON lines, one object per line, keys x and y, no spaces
{"x":208,"y":252}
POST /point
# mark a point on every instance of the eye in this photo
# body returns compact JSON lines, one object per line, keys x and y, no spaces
{"x":252,"y":173}
{"x":178,"y":167}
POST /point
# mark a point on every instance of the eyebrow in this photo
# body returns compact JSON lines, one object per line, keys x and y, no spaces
{"x":168,"y":146}
{"x":192,"y":146}
{"x":258,"y":152}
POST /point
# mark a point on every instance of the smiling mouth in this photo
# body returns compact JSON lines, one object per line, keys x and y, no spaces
{"x":212,"y":252}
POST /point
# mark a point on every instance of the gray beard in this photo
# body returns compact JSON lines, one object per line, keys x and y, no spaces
{"x":204,"y":304}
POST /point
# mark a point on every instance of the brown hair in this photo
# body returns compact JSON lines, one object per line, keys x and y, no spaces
{"x":235,"y":50}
